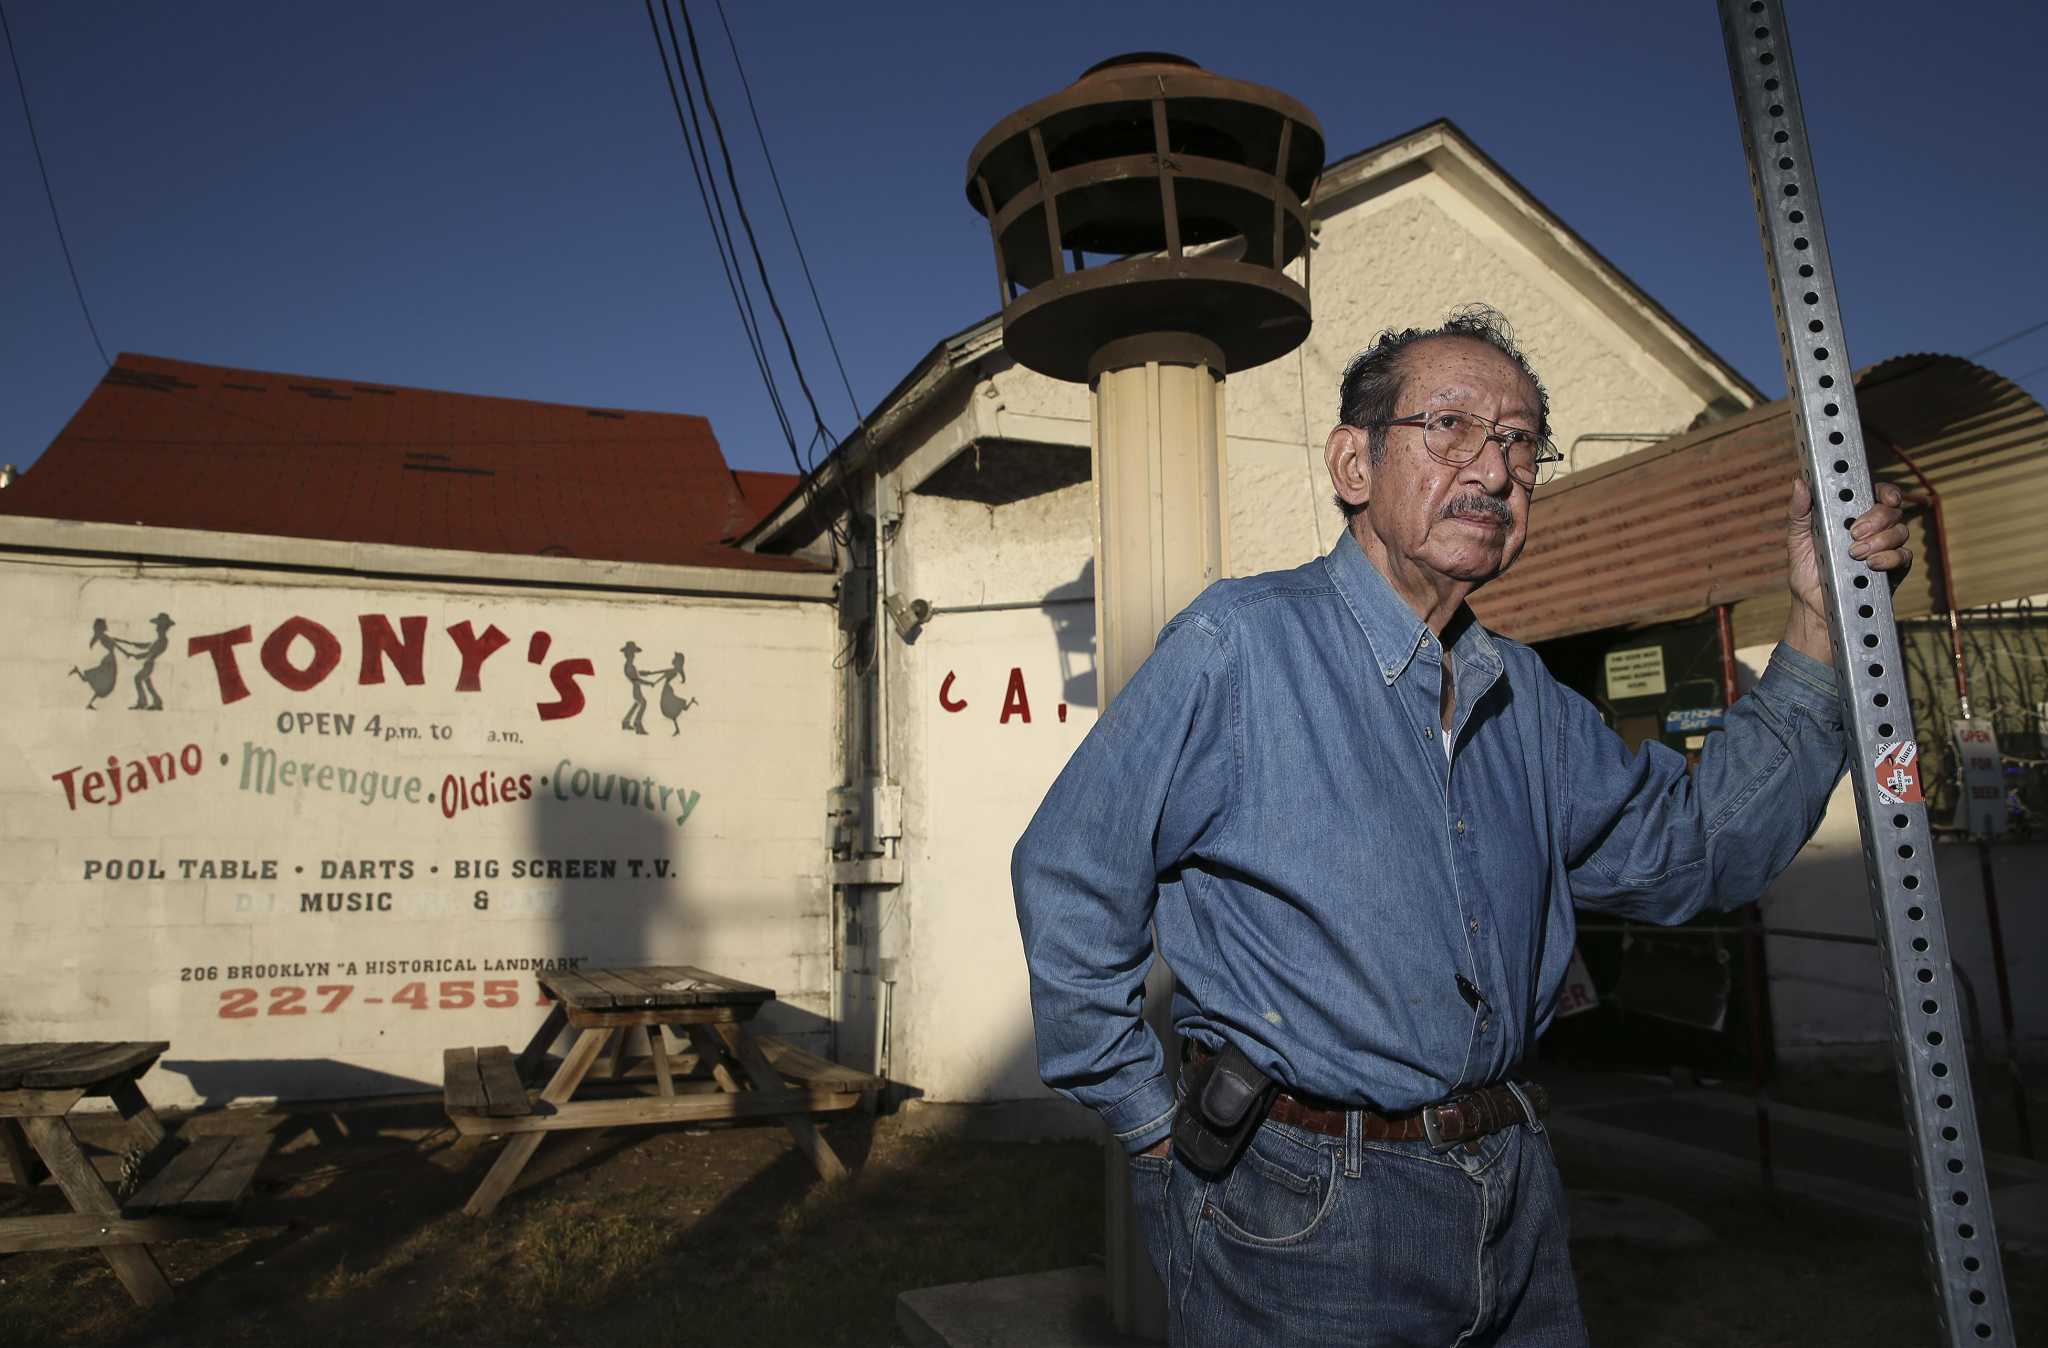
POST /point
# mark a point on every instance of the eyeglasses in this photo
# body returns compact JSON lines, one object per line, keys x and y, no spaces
{"x":1457,"y":438}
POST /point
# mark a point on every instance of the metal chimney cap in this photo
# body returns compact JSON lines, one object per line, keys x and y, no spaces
{"x":1149,"y":196}
{"x":1134,"y":62}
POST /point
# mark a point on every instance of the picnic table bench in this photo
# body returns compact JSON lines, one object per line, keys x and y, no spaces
{"x":207,"y":1177}
{"x":728,"y":1070}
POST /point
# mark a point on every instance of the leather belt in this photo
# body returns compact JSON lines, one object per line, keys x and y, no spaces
{"x":1466,"y":1117}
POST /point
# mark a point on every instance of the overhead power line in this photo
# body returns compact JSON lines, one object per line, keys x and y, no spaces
{"x":2007,"y":340}
{"x":806,"y":459}
{"x":739,"y":206}
{"x":720,"y":232}
{"x":776,"y":178}
{"x":22,"y":87}
{"x":684,"y":94}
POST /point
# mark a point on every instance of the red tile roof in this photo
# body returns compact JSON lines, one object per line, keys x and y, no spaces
{"x":175,"y":445}
{"x":764,"y":492}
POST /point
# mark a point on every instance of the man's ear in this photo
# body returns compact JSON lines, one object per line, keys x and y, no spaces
{"x":1346,"y":454}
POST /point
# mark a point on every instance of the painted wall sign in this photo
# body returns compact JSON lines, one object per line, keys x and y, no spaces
{"x":1016,"y":704}
{"x":312,"y":834}
{"x":1635,"y":672}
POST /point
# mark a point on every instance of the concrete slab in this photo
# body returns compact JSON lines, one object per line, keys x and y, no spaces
{"x":1847,"y":1163}
{"x":1644,"y":1223}
{"x":1066,"y":1308}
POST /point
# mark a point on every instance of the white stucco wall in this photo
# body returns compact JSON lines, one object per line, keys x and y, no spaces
{"x":329,"y":929}
{"x":972,"y":775}
{"x":1398,"y":260}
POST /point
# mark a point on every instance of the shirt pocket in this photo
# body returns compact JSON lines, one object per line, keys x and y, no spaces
{"x":1278,"y":1193}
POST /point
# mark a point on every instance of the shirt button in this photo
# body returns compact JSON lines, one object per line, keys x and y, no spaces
{"x":1461,"y":828}
{"x":1482,"y":1025}
{"x":1475,"y":924}
{"x":1429,"y":732}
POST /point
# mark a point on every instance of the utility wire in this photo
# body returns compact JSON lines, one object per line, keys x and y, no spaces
{"x":714,"y":217}
{"x":729,"y":252}
{"x":49,"y":195}
{"x":805,"y":460}
{"x":822,"y":430}
{"x":706,"y":192}
{"x":753,"y":242}
{"x":2038,"y":369}
{"x":694,"y":142}
{"x":787,"y":219}
{"x":2023,"y":332}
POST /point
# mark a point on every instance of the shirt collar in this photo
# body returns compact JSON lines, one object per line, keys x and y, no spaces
{"x":1392,"y":628}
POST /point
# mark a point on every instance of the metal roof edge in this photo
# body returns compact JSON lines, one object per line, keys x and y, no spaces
{"x":1902,"y":366}
{"x":932,"y":373}
{"x":1698,"y":519}
{"x":1358,"y":169}
{"x":28,"y":535}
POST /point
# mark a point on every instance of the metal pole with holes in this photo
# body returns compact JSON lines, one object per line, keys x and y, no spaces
{"x":1934,"y":1076}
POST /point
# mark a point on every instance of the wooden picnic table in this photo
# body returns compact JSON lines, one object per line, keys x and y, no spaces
{"x":724,"y":1068}
{"x":39,"y":1084}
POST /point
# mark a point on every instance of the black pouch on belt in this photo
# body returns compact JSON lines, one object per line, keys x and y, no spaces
{"x":1225,"y":1100}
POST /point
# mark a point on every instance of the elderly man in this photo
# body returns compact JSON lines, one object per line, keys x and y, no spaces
{"x":1357,"y":823}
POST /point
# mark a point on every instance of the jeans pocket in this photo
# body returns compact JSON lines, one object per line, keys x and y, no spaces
{"x":1150,"y":1177}
{"x":1278,"y":1193}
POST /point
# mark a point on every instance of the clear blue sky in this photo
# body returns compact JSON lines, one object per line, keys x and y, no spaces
{"x":493,"y":198}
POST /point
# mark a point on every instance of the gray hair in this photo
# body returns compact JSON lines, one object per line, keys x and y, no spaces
{"x":1372,"y":383}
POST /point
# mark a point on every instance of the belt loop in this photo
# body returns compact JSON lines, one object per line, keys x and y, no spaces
{"x":1354,"y":1142}
{"x":1528,"y":1110}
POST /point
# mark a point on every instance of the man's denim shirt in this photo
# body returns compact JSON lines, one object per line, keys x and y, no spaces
{"x":1271,"y":790}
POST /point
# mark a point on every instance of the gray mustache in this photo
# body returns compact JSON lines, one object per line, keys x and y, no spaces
{"x":1476,"y":503}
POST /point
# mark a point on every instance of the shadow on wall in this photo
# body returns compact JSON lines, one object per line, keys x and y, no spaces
{"x":994,"y":1102}
{"x":1070,"y":606}
{"x":221,"y":1081}
{"x":613,"y":830}
{"x":646,"y":911}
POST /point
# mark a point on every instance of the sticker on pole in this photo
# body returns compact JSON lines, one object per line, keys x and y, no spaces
{"x":1898,"y":773}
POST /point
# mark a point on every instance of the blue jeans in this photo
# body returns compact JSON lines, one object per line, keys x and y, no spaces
{"x":1313,"y":1240}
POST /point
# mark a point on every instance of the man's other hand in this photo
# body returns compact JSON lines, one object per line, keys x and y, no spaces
{"x":1161,"y":1149}
{"x":1878,"y":541}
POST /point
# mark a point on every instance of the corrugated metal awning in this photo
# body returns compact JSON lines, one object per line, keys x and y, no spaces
{"x":1699,"y":519}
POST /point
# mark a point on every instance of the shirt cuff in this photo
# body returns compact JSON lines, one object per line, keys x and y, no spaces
{"x":1144,"y":1116}
{"x":1805,"y":682}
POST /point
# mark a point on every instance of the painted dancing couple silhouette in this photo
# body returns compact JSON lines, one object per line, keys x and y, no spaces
{"x":102,"y":677}
{"x":673,"y":704}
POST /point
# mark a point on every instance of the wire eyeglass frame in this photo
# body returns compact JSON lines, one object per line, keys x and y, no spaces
{"x":1542,"y":467}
